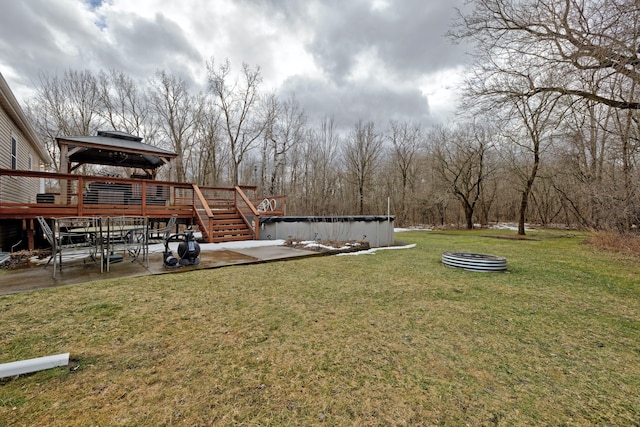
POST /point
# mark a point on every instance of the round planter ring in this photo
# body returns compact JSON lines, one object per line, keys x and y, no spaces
{"x":474,"y":262}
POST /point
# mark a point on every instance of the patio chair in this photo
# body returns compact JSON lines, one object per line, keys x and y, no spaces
{"x":73,"y":234}
{"x":56,"y":249}
{"x":77,"y":231}
{"x":126,"y":236}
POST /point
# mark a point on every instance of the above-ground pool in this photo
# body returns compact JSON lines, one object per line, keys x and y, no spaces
{"x":375,"y":229}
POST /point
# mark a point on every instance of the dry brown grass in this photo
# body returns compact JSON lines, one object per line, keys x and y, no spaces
{"x":616,"y":242}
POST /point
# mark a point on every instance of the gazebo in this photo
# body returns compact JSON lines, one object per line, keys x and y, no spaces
{"x":112,"y":148}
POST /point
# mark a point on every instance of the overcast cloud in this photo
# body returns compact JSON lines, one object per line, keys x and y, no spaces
{"x":353,"y":59}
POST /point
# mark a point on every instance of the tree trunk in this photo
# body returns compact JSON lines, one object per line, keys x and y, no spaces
{"x":527,"y":190}
{"x":523,"y":210}
{"x":468,"y":214}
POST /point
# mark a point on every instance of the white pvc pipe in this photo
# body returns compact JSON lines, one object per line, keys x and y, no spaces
{"x":32,"y":365}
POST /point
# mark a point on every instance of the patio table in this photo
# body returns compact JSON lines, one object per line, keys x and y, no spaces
{"x":113,"y":233}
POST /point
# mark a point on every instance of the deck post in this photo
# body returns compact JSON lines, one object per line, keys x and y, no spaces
{"x":143,"y":202}
{"x":64,"y":168}
{"x":29,"y":226}
{"x":80,"y":195}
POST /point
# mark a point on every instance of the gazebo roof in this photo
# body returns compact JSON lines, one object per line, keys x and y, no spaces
{"x":112,"y":148}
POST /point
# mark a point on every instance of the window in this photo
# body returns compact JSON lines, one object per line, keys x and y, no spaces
{"x":14,"y":153}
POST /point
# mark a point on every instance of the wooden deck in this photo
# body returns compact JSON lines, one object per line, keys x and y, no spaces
{"x":220,"y":213}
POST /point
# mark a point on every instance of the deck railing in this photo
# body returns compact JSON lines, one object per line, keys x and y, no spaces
{"x":28,"y":194}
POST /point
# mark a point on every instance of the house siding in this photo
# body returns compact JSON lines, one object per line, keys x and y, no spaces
{"x":30,"y":154}
{"x":12,"y":189}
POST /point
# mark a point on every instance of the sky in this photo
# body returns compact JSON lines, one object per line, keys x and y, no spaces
{"x":369,"y":60}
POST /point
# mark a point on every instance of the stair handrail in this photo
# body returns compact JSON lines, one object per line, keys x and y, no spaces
{"x":203,"y":201}
{"x":247,"y":201}
{"x":254,"y":211}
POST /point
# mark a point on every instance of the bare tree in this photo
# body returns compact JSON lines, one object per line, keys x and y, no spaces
{"x":525,"y":66}
{"x":283,"y":134}
{"x":320,"y":182}
{"x":626,"y":126}
{"x":65,"y":105}
{"x":362,"y":152}
{"x":124,"y":106}
{"x":460,"y":159}
{"x":407,"y":141}
{"x":238,"y":101}
{"x":581,"y":162}
{"x":581,"y":41}
{"x":177,"y":113}
{"x":534,"y":119}
{"x":210,"y":150}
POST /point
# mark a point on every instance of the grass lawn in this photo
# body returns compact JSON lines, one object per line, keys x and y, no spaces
{"x":392,"y":338}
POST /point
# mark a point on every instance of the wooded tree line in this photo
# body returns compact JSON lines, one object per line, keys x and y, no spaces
{"x":549,"y":133}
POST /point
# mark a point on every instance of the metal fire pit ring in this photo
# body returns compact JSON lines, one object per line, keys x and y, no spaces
{"x":474,"y":262}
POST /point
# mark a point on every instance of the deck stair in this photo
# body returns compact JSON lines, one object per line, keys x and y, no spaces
{"x":219,"y":221}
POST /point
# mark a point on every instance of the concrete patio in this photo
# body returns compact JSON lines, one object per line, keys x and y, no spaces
{"x":79,"y":270}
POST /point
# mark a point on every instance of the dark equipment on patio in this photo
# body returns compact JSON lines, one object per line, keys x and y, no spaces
{"x":188,"y":250}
